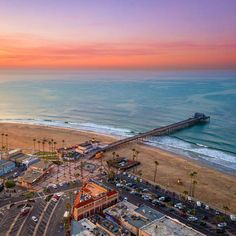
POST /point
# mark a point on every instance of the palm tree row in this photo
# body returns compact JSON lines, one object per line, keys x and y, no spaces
{"x":51,"y":144}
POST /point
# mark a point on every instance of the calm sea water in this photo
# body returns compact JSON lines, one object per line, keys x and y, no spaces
{"x":125,"y":103}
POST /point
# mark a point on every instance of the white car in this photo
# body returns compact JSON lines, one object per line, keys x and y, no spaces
{"x":192,"y":218}
{"x":233,"y":217}
{"x":179,"y":205}
{"x":199,"y":204}
{"x":222,"y":225}
{"x":35,"y":219}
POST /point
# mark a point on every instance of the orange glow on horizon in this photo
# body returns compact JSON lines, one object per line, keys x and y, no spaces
{"x":36,"y":53}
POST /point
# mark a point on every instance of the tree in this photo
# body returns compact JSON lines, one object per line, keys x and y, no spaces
{"x":113,"y":155}
{"x":43,"y":143}
{"x":185,"y":192}
{"x":39,"y":144}
{"x":49,"y":145}
{"x":192,"y":175}
{"x":82,"y":165}
{"x":194,"y":186}
{"x":34,"y":140}
{"x":133,"y":150}
{"x":155,"y":174}
{"x":55,"y":143}
{"x":10,"y":184}
{"x":6,"y":135}
{"x":225,"y":208}
{"x":63,"y":143}
{"x":137,"y":153}
{"x":2,"y":140}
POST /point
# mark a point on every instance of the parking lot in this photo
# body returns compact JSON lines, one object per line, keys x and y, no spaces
{"x":198,"y":216}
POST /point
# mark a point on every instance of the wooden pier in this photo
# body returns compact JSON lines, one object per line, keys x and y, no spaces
{"x":165,"y":130}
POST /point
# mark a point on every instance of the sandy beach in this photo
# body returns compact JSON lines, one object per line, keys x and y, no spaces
{"x":213,"y":187}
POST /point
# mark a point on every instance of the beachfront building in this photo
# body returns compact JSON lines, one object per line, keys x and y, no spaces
{"x":68,"y":153}
{"x":109,"y":226}
{"x":166,"y":226}
{"x":6,"y":167}
{"x":131,"y":216}
{"x":93,"y":198}
{"x":87,"y":147}
{"x":35,"y":173}
{"x":146,"y":221}
{"x":30,"y":160}
{"x":85,"y":227}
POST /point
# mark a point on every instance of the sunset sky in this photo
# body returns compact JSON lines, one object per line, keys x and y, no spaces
{"x":147,"y":34}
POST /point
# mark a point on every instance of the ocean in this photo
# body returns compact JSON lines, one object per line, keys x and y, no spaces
{"x":123,"y":103}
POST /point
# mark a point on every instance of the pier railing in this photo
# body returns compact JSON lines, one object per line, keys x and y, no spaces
{"x":165,"y":130}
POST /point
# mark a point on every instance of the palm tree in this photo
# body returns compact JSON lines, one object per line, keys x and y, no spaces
{"x":82,"y":164}
{"x":6,"y":135}
{"x":39,"y":145}
{"x":34,"y":140}
{"x":2,"y":140}
{"x":63,"y":143}
{"x":49,"y":146}
{"x":185,"y":192}
{"x":194,"y":186}
{"x":113,"y":155}
{"x":43,"y":143}
{"x":52,"y":142}
{"x":192,"y":175}
{"x":225,"y":208}
{"x":133,"y":150}
{"x":55,"y":144}
{"x":137,"y":152}
{"x":155,"y":174}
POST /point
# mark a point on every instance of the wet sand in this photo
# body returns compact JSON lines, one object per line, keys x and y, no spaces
{"x":213,"y":187}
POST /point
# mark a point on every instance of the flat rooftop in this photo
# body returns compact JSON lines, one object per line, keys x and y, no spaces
{"x":167,"y":226}
{"x":43,"y":165}
{"x":94,"y":190}
{"x":5,"y":162}
{"x":30,"y":176}
{"x":148,"y":212}
{"x":19,"y":157}
{"x":85,"y":227}
{"x":137,"y":221}
{"x":120,"y":209}
{"x":109,"y":225}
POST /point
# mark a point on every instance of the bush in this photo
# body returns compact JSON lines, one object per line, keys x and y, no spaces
{"x":10,"y":184}
{"x":29,"y":194}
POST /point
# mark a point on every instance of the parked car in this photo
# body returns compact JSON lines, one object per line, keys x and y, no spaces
{"x":233,"y":217}
{"x":35,"y":219}
{"x":179,"y":205}
{"x":192,"y":218}
{"x":222,"y":225}
{"x":24,"y":211}
{"x":164,"y":199}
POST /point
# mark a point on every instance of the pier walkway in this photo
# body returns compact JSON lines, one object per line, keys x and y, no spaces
{"x":165,"y":130}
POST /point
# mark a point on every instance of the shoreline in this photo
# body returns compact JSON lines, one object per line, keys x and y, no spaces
{"x":212,"y":184}
{"x":198,"y":161}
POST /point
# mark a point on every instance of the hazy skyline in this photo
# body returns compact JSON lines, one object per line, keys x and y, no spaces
{"x":147,"y":34}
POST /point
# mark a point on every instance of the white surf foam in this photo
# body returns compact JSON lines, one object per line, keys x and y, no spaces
{"x":197,"y":151}
{"x":103,"y":129}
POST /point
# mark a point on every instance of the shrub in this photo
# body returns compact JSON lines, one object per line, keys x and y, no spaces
{"x":10,"y":184}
